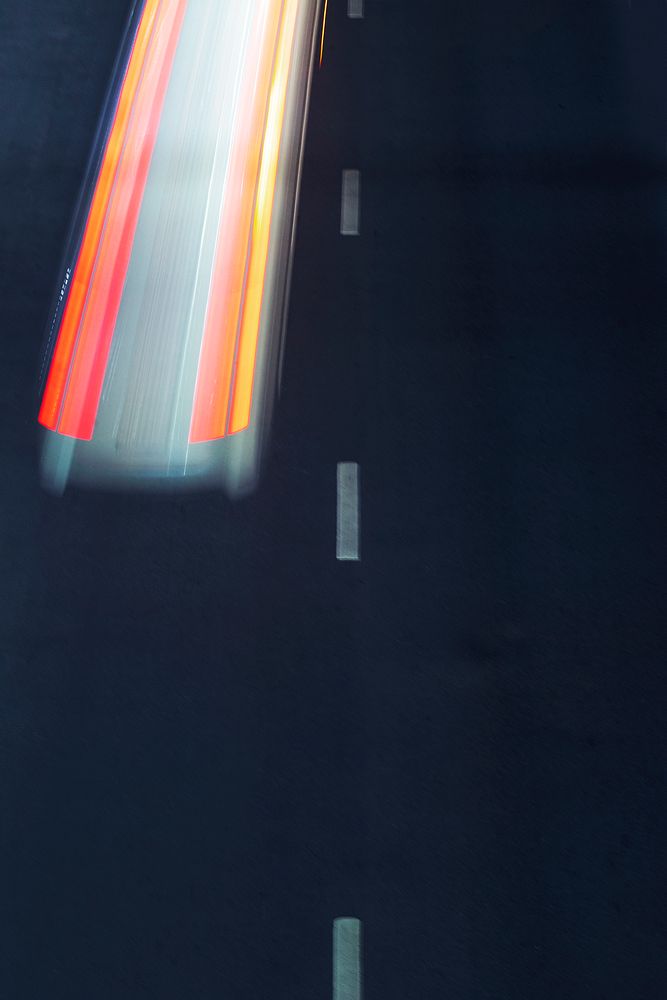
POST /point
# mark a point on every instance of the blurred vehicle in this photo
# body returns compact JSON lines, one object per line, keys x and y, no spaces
{"x":163,"y":355}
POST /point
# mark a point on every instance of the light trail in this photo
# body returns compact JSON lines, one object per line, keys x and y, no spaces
{"x":80,"y":284}
{"x":261,"y":229}
{"x":214,"y":380}
{"x":113,"y":255}
{"x":324,"y":28}
{"x":166,"y":348}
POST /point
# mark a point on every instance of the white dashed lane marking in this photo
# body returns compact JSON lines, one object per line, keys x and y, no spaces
{"x":349,"y":206}
{"x":347,"y":984}
{"x":347,"y":514}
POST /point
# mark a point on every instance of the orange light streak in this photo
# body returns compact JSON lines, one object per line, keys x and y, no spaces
{"x":55,"y":385}
{"x":324,"y":28}
{"x":74,"y":385}
{"x":86,"y":378}
{"x":261,"y":230}
{"x":211,"y":404}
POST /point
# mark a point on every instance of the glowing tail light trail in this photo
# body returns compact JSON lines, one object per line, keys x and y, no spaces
{"x":324,"y":28}
{"x":247,"y":350}
{"x":165,"y":349}
{"x":210,"y":410}
{"x":245,"y":233}
{"x":74,"y":385}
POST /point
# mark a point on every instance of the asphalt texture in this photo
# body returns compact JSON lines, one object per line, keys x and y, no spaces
{"x":215,"y":738}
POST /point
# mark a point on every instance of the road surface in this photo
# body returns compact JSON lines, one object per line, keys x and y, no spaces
{"x":217,"y":737}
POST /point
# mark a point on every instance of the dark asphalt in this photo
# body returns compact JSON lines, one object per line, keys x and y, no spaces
{"x":214,"y":737}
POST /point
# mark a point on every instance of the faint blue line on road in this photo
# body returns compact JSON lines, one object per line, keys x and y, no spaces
{"x":355,"y":8}
{"x":347,"y":513}
{"x":349,"y":207}
{"x":347,"y":979}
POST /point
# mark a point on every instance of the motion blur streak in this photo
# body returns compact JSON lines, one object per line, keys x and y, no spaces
{"x":209,"y":419}
{"x":165,"y":367}
{"x":55,"y":385}
{"x":90,"y":360}
{"x":324,"y":28}
{"x":245,"y":366}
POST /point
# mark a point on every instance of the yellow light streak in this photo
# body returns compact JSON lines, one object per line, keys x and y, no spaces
{"x":324,"y":28}
{"x":261,"y":228}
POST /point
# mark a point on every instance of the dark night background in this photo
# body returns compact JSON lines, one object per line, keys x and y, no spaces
{"x":214,"y":737}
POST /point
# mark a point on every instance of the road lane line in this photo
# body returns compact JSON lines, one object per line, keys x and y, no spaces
{"x":349,"y":207}
{"x":355,"y":8}
{"x":347,"y":514}
{"x":347,"y":982}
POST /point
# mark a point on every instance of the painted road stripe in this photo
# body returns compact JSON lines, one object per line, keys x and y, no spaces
{"x":347,"y":959}
{"x":349,"y":208}
{"x":355,"y":8}
{"x":347,"y":519}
